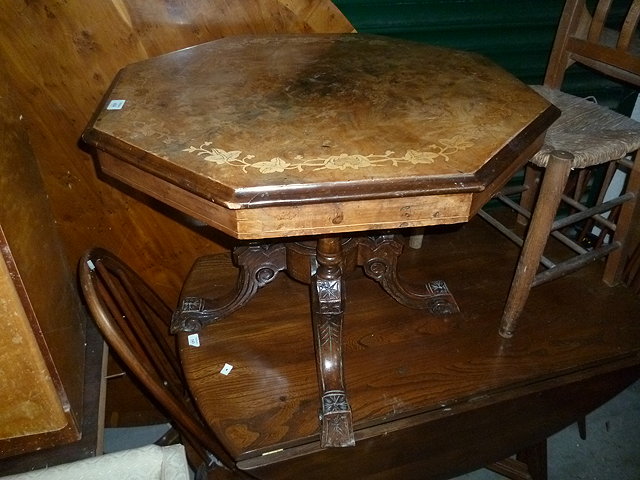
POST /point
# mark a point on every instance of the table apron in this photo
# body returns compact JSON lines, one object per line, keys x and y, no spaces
{"x":298,"y":220}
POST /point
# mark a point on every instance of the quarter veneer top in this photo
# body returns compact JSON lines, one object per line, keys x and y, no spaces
{"x":256,"y":121}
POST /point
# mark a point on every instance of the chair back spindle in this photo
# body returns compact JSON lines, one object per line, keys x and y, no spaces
{"x":587,"y":38}
{"x":134,"y":321}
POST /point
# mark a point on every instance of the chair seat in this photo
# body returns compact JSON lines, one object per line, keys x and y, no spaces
{"x":594,"y":134}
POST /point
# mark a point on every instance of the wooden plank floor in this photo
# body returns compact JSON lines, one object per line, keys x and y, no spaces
{"x":402,"y":363}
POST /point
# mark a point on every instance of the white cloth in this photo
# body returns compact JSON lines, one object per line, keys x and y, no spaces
{"x":150,"y":462}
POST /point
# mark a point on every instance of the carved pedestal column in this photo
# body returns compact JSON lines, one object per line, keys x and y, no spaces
{"x":327,"y":298}
{"x":323,"y":267}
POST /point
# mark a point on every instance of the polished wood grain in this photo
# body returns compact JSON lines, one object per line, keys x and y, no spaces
{"x":31,"y":402}
{"x":304,"y":126}
{"x":59,"y":59}
{"x":58,"y":82}
{"x":91,"y":442}
{"x":43,"y":335}
{"x":425,"y":391}
{"x":312,"y":219}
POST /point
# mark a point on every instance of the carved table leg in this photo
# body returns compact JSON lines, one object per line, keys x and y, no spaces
{"x":327,"y":297}
{"x":379,"y":259}
{"x":258,"y":265}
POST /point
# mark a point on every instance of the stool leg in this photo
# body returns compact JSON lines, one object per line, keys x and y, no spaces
{"x":616,"y":259}
{"x":416,"y":238}
{"x":553,"y":183}
{"x":532,"y":175}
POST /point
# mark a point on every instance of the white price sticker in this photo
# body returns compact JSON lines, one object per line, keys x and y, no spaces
{"x":116,"y":104}
{"x":194,"y":340}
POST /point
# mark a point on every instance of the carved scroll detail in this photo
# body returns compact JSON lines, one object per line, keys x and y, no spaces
{"x":258,"y":265}
{"x":379,"y":259}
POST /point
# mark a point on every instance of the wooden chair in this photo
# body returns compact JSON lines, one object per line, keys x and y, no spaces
{"x":587,"y":136}
{"x":632,"y":271}
{"x":134,"y":321}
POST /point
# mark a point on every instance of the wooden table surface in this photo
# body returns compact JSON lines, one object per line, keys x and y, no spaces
{"x":285,"y":135}
{"x":405,"y":368}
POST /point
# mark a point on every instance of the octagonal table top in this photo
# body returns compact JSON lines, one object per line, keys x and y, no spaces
{"x":292,"y":120}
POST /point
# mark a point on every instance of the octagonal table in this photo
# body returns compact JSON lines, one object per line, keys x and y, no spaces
{"x":315,"y":136}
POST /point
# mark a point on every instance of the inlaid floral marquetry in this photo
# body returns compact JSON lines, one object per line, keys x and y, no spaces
{"x":437,"y":152}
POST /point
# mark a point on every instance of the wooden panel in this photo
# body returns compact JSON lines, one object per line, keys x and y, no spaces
{"x":39,"y":268}
{"x":92,"y":414}
{"x":28,"y":395}
{"x":448,"y":442}
{"x":504,"y":30}
{"x":289,"y":119}
{"x":58,"y":88}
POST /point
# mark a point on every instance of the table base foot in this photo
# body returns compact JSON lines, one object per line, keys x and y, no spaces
{"x":258,"y":265}
{"x":336,"y":420}
{"x":379,"y":259}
